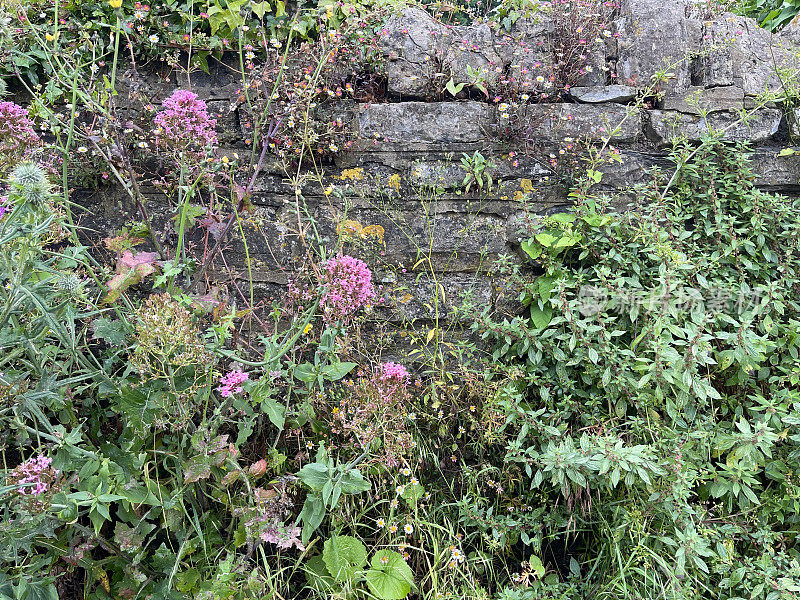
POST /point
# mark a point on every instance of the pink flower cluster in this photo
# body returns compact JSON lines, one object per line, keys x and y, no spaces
{"x":3,"y":205}
{"x":35,"y":474}
{"x":348,"y":287}
{"x":184,"y":123}
{"x":231,"y":383}
{"x":393,"y":372}
{"x":17,"y":137}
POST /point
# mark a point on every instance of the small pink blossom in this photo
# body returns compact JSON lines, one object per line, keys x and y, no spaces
{"x":348,"y":287}
{"x":231,"y":383}
{"x":393,"y":372}
{"x":35,"y":476}
{"x":17,"y":137}
{"x":184,"y":123}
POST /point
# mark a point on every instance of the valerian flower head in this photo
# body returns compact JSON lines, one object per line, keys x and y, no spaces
{"x":184,"y":124}
{"x":348,"y":287}
{"x":35,"y":478}
{"x":17,"y":137}
{"x":231,"y":383}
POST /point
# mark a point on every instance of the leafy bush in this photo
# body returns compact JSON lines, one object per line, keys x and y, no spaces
{"x":655,"y":404}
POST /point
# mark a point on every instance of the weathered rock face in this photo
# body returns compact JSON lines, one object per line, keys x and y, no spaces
{"x":404,"y":174}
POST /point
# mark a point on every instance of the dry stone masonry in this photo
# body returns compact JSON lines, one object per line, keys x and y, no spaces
{"x":716,"y":65}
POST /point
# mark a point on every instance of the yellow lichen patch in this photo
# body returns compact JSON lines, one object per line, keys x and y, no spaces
{"x":349,"y":230}
{"x":374,"y":232}
{"x":526,"y":185}
{"x":519,"y":195}
{"x":355,"y":174}
{"x":394,"y":182}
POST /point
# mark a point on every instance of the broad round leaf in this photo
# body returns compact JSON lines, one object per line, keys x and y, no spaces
{"x":344,"y":556}
{"x":390,"y":578}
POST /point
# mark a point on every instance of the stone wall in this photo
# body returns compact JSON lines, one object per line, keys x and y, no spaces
{"x":717,"y":67}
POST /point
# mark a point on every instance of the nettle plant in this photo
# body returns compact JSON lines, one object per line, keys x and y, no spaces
{"x":655,"y":388}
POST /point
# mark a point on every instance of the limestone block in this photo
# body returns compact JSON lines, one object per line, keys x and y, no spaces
{"x":409,"y":123}
{"x":414,"y":44}
{"x":656,"y":35}
{"x":605,"y":93}
{"x":759,"y":127}
{"x":593,"y":120}
{"x":695,"y":99}
{"x":740,"y":53}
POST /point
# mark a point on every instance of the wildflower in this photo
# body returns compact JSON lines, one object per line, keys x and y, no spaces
{"x":380,"y":523}
{"x":394,"y":372}
{"x":35,"y":476}
{"x":406,"y":471}
{"x":231,"y":383}
{"x":394,"y":504}
{"x":307,"y":328}
{"x":184,"y":122}
{"x":153,"y":39}
{"x":409,"y":529}
{"x":348,"y":287}
{"x":392,"y":528}
{"x":17,"y":137}
{"x":384,"y":560}
{"x":401,"y":490}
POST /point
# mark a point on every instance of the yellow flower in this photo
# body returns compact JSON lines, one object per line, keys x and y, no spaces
{"x":308,"y":328}
{"x":115,"y":3}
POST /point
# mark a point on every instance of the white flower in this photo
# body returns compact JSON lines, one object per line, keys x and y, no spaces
{"x":153,"y":39}
{"x":409,"y":529}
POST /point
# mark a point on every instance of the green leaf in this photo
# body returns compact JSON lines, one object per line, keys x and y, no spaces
{"x":353,"y":482}
{"x":344,"y":556}
{"x":260,"y":8}
{"x":545,"y":239}
{"x":315,"y":476}
{"x":532,"y":248}
{"x":112,"y":331}
{"x":541,"y":316}
{"x":318,"y":576}
{"x":390,"y":578}
{"x":312,"y":515}
{"x":536,"y":566}
{"x":412,"y":493}
{"x":275,"y":411}
{"x":305,"y":372}
{"x":453,"y":88}
{"x":336,"y":371}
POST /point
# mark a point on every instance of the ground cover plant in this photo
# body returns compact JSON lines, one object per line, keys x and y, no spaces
{"x":628,"y":426}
